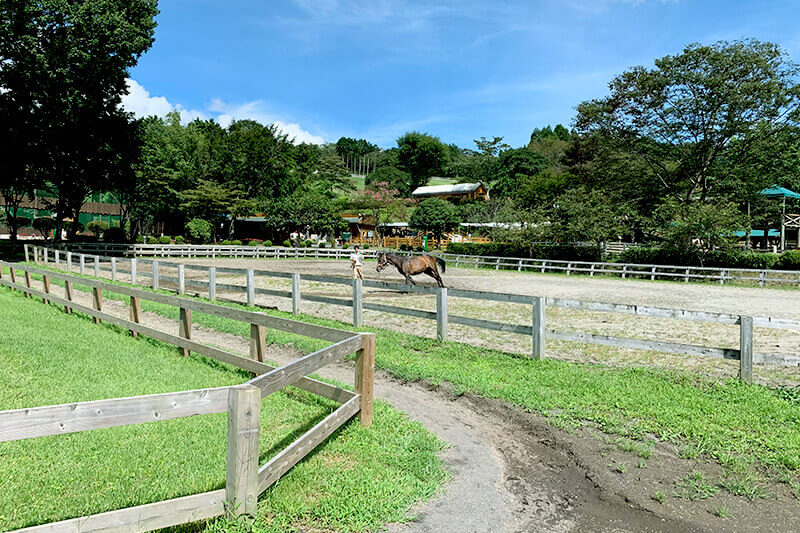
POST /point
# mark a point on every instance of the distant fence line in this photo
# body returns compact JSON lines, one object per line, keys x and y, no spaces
{"x":623,"y":270}
{"x":536,"y":330}
{"x":245,"y":480}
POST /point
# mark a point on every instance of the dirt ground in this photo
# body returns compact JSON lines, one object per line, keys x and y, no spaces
{"x":753,"y":301}
{"x":513,"y":472}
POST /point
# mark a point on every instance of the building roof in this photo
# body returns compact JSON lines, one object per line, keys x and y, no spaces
{"x":459,"y":188}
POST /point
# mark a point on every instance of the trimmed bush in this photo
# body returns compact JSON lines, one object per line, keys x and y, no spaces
{"x":322,"y":245}
{"x":165,"y":239}
{"x":226,"y":242}
{"x":44,"y":225}
{"x":565,"y":252}
{"x":718,"y":258}
{"x":236,"y":242}
{"x":406,"y":248}
{"x":139,"y":239}
{"x":199,"y":230}
{"x":179,"y":239}
{"x":307,"y":243}
{"x":266,"y":243}
{"x":152,"y":240}
{"x":254,"y":242}
{"x":98,"y":227}
{"x":287,"y":243}
{"x":789,"y":260}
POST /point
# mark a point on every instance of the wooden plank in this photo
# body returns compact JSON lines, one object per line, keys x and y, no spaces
{"x":296,"y":451}
{"x":642,"y":344}
{"x":32,"y":422}
{"x":358,"y":304}
{"x":441,"y":314}
{"x":538,"y":331}
{"x":136,"y":314}
{"x":185,"y":327}
{"x":97,"y":302}
{"x":419,"y":313}
{"x":244,"y":429}
{"x":365,"y":376}
{"x":258,"y":342}
{"x":746,"y":349}
{"x":291,"y":372}
{"x":147,"y":517}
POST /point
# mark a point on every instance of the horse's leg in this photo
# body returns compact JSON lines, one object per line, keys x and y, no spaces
{"x":432,"y":272}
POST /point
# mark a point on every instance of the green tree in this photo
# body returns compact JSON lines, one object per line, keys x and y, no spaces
{"x":394,"y":177}
{"x":331,"y":177}
{"x":588,"y":215}
{"x":434,"y":215}
{"x":383,"y":202}
{"x":422,"y":156}
{"x":513,"y":166}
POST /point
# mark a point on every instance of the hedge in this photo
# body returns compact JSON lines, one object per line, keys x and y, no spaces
{"x":718,"y":258}
{"x":565,"y":252}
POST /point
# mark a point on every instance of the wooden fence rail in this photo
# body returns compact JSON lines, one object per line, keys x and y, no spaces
{"x":244,"y":479}
{"x":721,"y":275}
{"x":536,"y":330}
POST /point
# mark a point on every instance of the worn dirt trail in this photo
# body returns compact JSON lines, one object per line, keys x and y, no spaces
{"x":510,"y":471}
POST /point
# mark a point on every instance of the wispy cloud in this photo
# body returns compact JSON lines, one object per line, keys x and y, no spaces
{"x":142,"y":104}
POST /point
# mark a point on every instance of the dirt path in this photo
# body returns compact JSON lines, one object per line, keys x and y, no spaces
{"x":511,"y":471}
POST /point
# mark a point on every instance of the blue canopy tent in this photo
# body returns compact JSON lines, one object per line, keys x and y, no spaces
{"x":776,"y":191}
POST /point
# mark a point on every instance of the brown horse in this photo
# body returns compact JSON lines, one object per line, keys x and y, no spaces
{"x":411,"y":266}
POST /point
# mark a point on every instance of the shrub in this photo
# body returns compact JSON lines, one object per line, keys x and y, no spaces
{"x":789,"y":260}
{"x":199,"y":230}
{"x":152,"y":240}
{"x":236,"y":242}
{"x":566,"y":252}
{"x":718,"y":258}
{"x":321,"y":245}
{"x":165,"y":239}
{"x":98,"y":227}
{"x":114,"y":234}
{"x":44,"y":225}
{"x":266,"y":243}
{"x":226,"y":242}
{"x":139,"y":239}
{"x":406,"y":248}
{"x":307,"y":243}
{"x":365,"y":247}
{"x":287,"y":243}
{"x":69,"y":225}
{"x":254,"y":242}
{"x":179,"y":239}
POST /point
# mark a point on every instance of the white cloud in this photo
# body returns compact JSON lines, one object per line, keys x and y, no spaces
{"x":140,"y":103}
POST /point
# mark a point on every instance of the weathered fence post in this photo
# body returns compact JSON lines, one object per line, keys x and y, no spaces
{"x":358,"y":304}
{"x":133,"y":271}
{"x":28,"y":283}
{"x":57,"y":257}
{"x":46,"y":285}
{"x":113,"y":269}
{"x":27,"y":253}
{"x":68,"y":295}
{"x":181,"y":280}
{"x":251,"y":287}
{"x":136,"y":313}
{"x":539,"y":331}
{"x":97,"y":266}
{"x":652,"y":273}
{"x":746,"y":349}
{"x":155,"y":275}
{"x":97,"y":301}
{"x":82,"y":259}
{"x":441,"y":313}
{"x":36,"y":255}
{"x":258,"y":342}
{"x":185,"y":327}
{"x":296,"y":294}
{"x":69,"y":262}
{"x":244,"y":426}
{"x":212,"y":283}
{"x":365,"y":376}
{"x":12,"y":274}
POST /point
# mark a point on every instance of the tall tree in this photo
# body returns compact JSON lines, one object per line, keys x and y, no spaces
{"x":422,"y":156}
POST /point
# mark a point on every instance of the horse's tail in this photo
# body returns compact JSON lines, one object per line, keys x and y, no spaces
{"x":442,"y":264}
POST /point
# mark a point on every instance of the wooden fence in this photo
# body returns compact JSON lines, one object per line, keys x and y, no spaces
{"x":245,"y":480}
{"x":536,"y":330}
{"x":761,"y":277}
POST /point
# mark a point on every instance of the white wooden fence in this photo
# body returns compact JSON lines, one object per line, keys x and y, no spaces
{"x":537,"y":329}
{"x":245,"y":480}
{"x":761,"y":277}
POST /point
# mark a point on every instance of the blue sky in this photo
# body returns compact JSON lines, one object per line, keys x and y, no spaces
{"x":322,"y":69}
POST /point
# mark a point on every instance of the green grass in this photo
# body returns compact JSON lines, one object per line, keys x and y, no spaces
{"x":746,"y":428}
{"x":442,"y":181}
{"x":356,"y":481}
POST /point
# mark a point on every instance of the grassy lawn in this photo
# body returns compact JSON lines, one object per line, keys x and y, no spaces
{"x":749,"y":430}
{"x":356,"y":481}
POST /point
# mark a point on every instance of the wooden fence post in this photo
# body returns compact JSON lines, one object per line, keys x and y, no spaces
{"x":113,"y":269}
{"x":57,"y":257}
{"x":296,"y":294}
{"x":97,"y":300}
{"x":28,"y":283}
{"x":68,"y":295}
{"x":97,"y":266}
{"x":136,"y":313}
{"x":82,"y":259}
{"x":12,"y":274}
{"x":258,"y":342}
{"x":251,"y":287}
{"x":358,"y":304}
{"x":133,"y":271}
{"x":69,"y":262}
{"x":365,"y":376}
{"x":181,"y":280}
{"x":155,"y":275}
{"x":746,"y":349}
{"x":212,"y":283}
{"x":539,"y":331}
{"x":46,"y":284}
{"x":244,"y":426}
{"x":36,"y":255}
{"x":185,"y":327}
{"x":27,"y":253}
{"x":441,"y":313}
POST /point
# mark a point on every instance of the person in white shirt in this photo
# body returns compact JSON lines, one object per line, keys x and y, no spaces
{"x":357,"y":263}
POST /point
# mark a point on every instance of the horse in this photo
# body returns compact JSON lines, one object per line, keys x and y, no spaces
{"x":411,"y":266}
